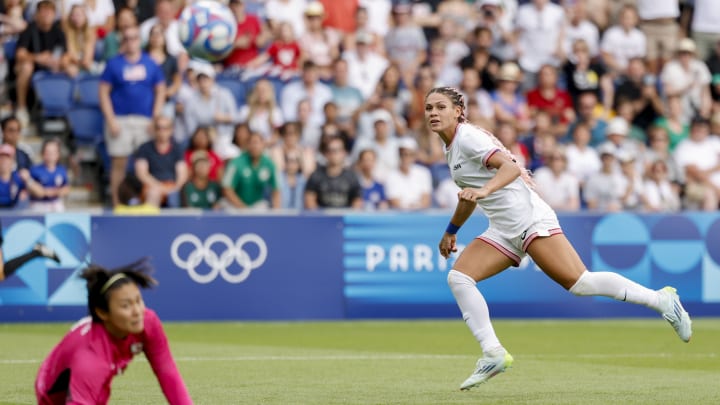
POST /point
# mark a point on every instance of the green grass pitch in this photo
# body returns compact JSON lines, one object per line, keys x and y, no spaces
{"x":636,"y":361}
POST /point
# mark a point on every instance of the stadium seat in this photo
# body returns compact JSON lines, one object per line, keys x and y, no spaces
{"x":55,"y":93}
{"x":439,"y":172}
{"x":86,"y":90}
{"x":86,"y":124}
{"x":9,"y":48}
{"x":236,"y":87}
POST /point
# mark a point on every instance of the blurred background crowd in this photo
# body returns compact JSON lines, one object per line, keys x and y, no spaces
{"x":612,"y":104}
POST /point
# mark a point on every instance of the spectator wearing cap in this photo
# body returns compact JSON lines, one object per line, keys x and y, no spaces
{"x":688,"y":77}
{"x":617,"y":139}
{"x":309,"y":87}
{"x":383,"y":142}
{"x":538,"y":28}
{"x":289,"y":11}
{"x":13,"y":183}
{"x":200,"y":191}
{"x":131,"y":92}
{"x":405,"y":42}
{"x":52,"y":178}
{"x":365,"y":66}
{"x":623,"y":41}
{"x":11,"y":131}
{"x":160,"y":164}
{"x":704,"y":26}
{"x":333,"y":185}
{"x":40,"y":47}
{"x":604,"y":190}
{"x":699,"y":158}
{"x":319,"y":44}
{"x":252,"y":34}
{"x":658,"y":20}
{"x":409,"y":187}
{"x":212,"y":106}
{"x":510,"y":104}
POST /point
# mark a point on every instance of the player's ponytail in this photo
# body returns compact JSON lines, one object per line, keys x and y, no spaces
{"x":102,"y":281}
{"x":457,"y":99}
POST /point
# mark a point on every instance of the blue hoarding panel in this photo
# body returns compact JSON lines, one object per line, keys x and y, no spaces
{"x":232,"y":267}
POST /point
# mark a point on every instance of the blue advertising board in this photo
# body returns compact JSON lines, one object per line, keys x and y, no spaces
{"x":217,"y":267}
{"x":393,"y":268}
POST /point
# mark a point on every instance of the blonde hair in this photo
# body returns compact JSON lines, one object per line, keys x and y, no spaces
{"x":457,"y":99}
{"x":76,"y":36}
{"x":254,"y":103}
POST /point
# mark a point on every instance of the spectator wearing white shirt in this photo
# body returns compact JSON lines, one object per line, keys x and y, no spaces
{"x":705,"y":28}
{"x":539,"y":34}
{"x":378,"y":12}
{"x":699,"y":157}
{"x":583,"y":160}
{"x":660,"y":195}
{"x":577,"y":26}
{"x":165,"y":12}
{"x":624,"y":41}
{"x":365,"y":66}
{"x":290,"y":11}
{"x":409,"y":187}
{"x":555,"y":184}
{"x":310,"y":88}
{"x":633,"y":197}
{"x":689,"y":78}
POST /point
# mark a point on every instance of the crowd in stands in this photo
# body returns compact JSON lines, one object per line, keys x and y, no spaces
{"x":612,"y":104}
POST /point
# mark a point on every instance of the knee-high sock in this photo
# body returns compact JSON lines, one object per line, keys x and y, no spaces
{"x":13,"y":264}
{"x":615,"y":286}
{"x":474,"y":310}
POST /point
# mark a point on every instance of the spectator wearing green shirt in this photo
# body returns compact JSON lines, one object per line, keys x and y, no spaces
{"x":200,"y":191}
{"x":250,"y":179}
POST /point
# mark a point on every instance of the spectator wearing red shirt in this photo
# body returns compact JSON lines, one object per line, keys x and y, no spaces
{"x":251,"y":36}
{"x":340,"y":15}
{"x":284,"y":52}
{"x":548,"y":97}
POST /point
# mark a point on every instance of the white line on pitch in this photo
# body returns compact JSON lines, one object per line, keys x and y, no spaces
{"x":361,"y":357}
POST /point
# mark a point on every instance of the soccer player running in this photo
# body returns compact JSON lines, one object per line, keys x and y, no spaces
{"x":80,"y":369}
{"x":520,"y":223}
{"x":9,"y":268}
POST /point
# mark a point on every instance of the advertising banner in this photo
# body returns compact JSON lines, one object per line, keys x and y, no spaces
{"x":393,"y":267}
{"x":232,"y":267}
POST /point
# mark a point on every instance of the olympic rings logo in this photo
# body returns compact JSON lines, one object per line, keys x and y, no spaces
{"x":203,"y":252}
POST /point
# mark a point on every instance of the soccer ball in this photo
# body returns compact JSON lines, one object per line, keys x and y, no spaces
{"x":207,"y":30}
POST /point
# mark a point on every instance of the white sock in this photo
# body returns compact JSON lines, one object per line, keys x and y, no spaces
{"x":615,"y":286}
{"x":474,"y":310}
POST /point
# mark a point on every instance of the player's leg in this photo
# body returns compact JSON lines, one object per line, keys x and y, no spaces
{"x":40,"y":250}
{"x":557,"y":258}
{"x":478,"y":261}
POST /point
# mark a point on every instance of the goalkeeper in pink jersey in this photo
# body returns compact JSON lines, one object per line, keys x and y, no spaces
{"x":80,"y":369}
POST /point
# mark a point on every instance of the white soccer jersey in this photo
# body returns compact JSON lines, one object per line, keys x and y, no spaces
{"x":510,"y":210}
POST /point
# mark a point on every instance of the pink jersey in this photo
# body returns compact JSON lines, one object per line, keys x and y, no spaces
{"x":80,"y":369}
